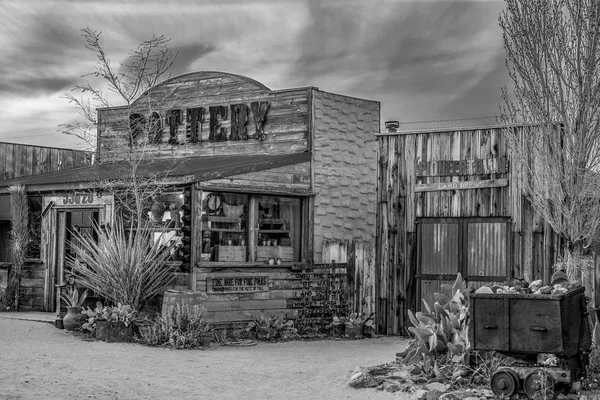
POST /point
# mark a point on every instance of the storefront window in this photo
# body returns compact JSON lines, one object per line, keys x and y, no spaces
{"x":166,"y":214}
{"x":225,"y":222}
{"x":278,"y":229}
{"x":224,"y":226}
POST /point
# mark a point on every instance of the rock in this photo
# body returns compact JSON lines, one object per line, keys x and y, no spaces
{"x":392,"y":387}
{"x":380,"y":387}
{"x":559,"y":290}
{"x":439,"y":379}
{"x":416,"y":370}
{"x":484,"y":289}
{"x":437,"y":386}
{"x":576,"y":387}
{"x":561,"y":396}
{"x":356,"y":376}
{"x":433,"y":395}
{"x":545,"y":290}
{"x":535,"y":285}
{"x":452,"y":396}
{"x":593,"y":385}
{"x":420,"y":394}
{"x":401,"y":374}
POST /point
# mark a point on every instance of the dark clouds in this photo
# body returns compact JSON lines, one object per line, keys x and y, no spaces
{"x":424,"y":60}
{"x":188,"y":54}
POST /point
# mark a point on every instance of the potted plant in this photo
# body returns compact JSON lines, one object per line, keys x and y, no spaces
{"x":74,"y":303}
{"x":113,"y":324}
{"x":354,"y":324}
{"x":207,"y":335}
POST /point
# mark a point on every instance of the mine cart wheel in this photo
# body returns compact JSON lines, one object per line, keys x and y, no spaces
{"x":505,"y":382}
{"x":534,"y":383}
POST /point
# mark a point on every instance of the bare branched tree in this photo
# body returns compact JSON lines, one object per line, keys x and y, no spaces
{"x":134,"y":131}
{"x":148,"y":64}
{"x":131,"y":81}
{"x":553,"y":58}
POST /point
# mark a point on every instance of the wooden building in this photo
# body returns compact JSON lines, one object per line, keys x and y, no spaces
{"x":21,"y":160}
{"x":449,"y":201}
{"x":258,"y":181}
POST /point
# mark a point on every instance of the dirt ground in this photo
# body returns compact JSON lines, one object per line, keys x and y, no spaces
{"x":39,"y":361}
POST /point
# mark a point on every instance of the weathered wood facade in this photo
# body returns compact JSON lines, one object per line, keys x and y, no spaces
{"x":259,"y":181}
{"x":450,"y":201}
{"x":18,"y":160}
{"x":21,"y":160}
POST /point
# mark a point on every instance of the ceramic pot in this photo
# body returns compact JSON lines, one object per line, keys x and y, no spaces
{"x":354,"y":332}
{"x":71,"y":320}
{"x":206,"y":339}
{"x":111,"y":331}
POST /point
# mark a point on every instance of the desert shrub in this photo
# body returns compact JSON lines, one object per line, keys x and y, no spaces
{"x":179,"y":328}
{"x":122,"y":267}
{"x":271,"y":328}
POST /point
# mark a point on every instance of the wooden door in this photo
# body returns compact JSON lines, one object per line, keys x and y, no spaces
{"x":478,"y":248}
{"x":68,"y":222}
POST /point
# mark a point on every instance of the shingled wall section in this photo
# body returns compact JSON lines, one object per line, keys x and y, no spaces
{"x":345,"y":168}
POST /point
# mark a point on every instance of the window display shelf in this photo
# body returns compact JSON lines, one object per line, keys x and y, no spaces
{"x":224,"y":230}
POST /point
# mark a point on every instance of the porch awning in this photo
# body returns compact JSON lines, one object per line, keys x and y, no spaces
{"x":177,"y":170}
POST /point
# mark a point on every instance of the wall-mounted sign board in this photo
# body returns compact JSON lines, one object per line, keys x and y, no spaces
{"x":462,"y":167}
{"x":78,"y":199}
{"x":240,"y":283}
{"x":486,"y":183}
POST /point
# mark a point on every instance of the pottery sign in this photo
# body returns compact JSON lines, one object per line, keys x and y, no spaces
{"x":481,"y":166}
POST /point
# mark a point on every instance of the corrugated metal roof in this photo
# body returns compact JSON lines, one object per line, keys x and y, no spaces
{"x":189,"y":169}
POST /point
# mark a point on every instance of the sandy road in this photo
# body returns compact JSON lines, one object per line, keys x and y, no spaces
{"x":38,"y":361}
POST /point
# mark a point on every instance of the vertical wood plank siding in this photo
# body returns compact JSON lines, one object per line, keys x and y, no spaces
{"x":533,"y":247}
{"x":17,"y":160}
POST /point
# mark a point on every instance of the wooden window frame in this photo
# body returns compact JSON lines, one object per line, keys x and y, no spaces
{"x":252,"y":231}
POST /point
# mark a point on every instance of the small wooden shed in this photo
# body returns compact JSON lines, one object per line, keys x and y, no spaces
{"x":449,"y":201}
{"x":21,"y":160}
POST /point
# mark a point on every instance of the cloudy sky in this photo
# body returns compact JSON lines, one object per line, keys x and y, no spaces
{"x":424,"y":60}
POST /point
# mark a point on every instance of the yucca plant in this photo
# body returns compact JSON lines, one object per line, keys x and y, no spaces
{"x":127,"y":268}
{"x":18,"y":242}
{"x":72,"y":298}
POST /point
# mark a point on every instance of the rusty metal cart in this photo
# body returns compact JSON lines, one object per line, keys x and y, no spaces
{"x":522,"y":326}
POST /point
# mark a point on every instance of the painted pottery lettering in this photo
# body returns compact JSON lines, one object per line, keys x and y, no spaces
{"x":462,"y":167}
{"x":238,"y":115}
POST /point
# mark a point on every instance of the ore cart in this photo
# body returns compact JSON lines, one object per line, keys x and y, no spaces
{"x":522,"y":326}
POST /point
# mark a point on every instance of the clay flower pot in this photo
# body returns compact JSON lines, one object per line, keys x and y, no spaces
{"x":206,"y":339}
{"x":71,"y":320}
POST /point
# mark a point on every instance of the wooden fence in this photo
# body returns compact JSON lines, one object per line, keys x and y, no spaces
{"x":360,"y":260}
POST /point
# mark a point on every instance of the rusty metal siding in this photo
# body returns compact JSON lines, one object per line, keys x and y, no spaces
{"x":440,"y":248}
{"x":487,"y":249}
{"x":429,"y":287}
